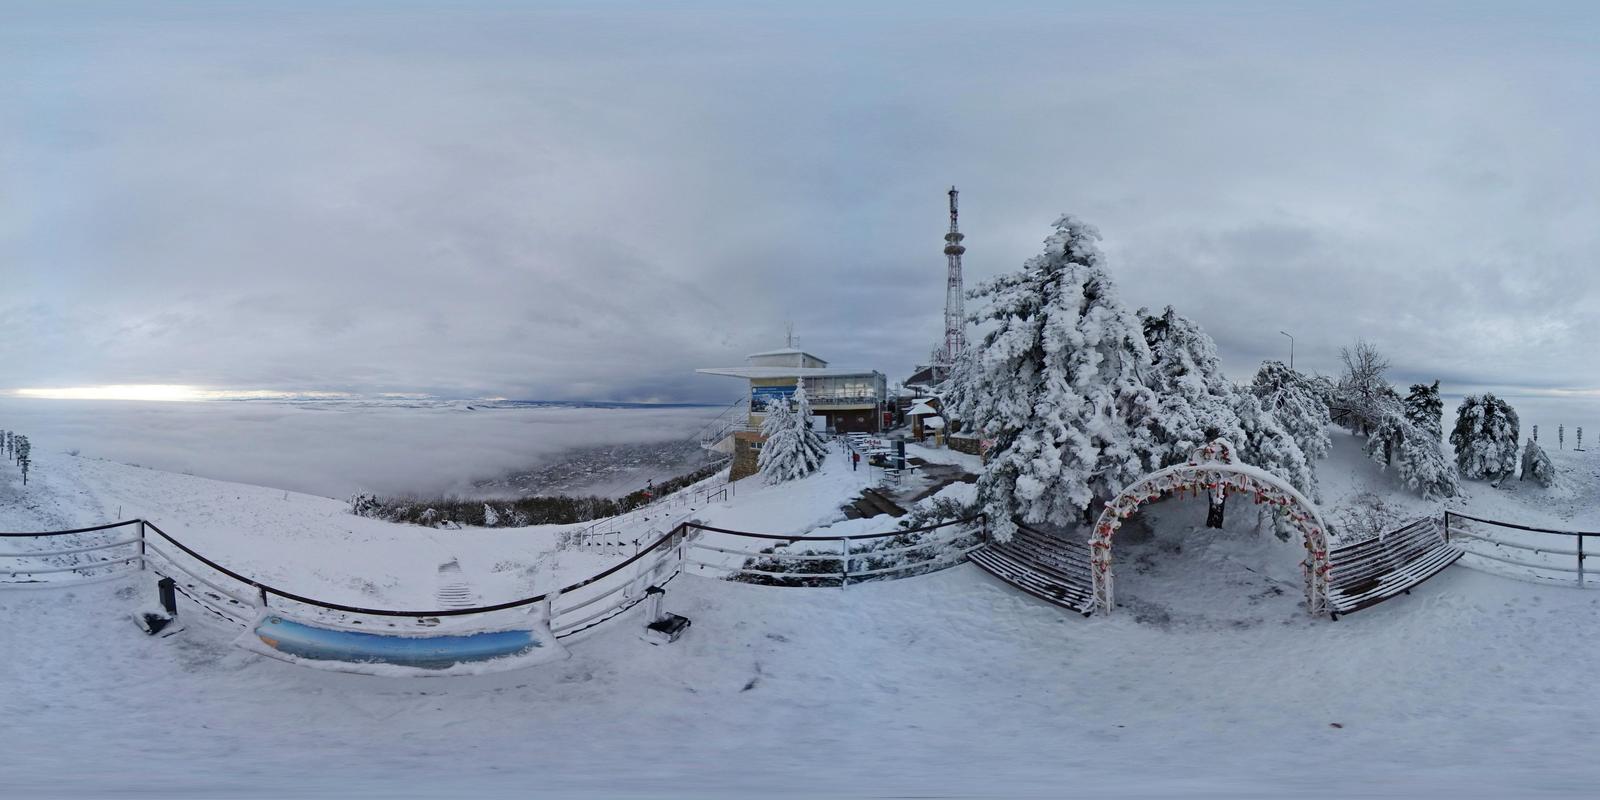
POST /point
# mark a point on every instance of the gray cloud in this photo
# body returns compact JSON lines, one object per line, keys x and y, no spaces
{"x":567,"y":201}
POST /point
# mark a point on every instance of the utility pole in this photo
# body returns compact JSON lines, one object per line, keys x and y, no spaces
{"x":1291,"y":348}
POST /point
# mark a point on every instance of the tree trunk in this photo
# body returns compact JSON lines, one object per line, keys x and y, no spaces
{"x":1214,"y":513}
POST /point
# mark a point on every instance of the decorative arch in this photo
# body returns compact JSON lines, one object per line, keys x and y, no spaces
{"x":1213,"y":468}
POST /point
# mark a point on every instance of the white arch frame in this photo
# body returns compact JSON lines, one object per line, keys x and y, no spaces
{"x":1213,"y":468}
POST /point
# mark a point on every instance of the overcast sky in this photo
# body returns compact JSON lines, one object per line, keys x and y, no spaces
{"x":589,"y":201}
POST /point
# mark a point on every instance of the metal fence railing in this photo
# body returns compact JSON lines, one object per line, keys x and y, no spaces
{"x":1522,"y":551}
{"x":742,"y":554}
{"x":240,"y":599}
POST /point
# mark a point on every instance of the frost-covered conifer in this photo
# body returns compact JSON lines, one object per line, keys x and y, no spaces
{"x":1194,"y":399}
{"x":1416,"y":456}
{"x":491,"y":518}
{"x":1057,"y":386}
{"x":1485,"y":438}
{"x":24,"y":457}
{"x":791,"y":449}
{"x":1561,"y":437}
{"x":1425,"y":409}
{"x":1196,"y":404}
{"x":1299,"y":403}
{"x":1536,"y":463}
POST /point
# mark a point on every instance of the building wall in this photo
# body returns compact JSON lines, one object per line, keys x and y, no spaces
{"x":746,"y":452}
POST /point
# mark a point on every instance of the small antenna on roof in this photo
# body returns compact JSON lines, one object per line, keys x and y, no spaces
{"x":788,"y":334}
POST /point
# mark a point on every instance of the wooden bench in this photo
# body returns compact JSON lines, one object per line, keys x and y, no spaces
{"x":1367,"y":573}
{"x":1050,"y":568}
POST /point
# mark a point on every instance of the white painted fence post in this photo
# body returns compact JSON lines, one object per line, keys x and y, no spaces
{"x":844,"y":563}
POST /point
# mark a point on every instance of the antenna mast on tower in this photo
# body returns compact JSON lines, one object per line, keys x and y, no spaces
{"x":955,"y":323}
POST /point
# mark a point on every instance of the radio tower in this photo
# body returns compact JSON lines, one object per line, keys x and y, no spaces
{"x":955,"y":323}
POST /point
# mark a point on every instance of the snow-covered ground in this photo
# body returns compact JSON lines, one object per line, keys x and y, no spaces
{"x":942,"y":685}
{"x":1213,"y":682}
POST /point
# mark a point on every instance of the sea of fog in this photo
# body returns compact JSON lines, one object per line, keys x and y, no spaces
{"x":338,"y":449}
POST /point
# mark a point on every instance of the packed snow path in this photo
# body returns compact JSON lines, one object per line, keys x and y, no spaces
{"x":944,"y":684}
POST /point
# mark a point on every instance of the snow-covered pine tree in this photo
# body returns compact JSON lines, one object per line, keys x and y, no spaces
{"x":491,"y":517}
{"x":1196,"y":404}
{"x":24,"y":457}
{"x":1485,"y":438}
{"x":1561,"y":437}
{"x":815,"y":443}
{"x":1300,"y":405}
{"x":1056,"y":386}
{"x":1194,"y":399}
{"x":1579,"y":445}
{"x":1536,"y":433}
{"x":1537,"y":464}
{"x":1416,"y":455}
{"x":1425,"y":409}
{"x":791,"y":450}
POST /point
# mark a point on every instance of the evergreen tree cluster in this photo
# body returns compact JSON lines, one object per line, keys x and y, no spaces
{"x":1082,"y":397}
{"x":522,"y":511}
{"x":19,"y":450}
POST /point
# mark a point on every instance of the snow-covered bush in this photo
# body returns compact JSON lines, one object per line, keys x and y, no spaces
{"x":1416,"y":455}
{"x":1056,"y":385}
{"x":1485,"y":438}
{"x":1425,"y":409}
{"x":1536,"y":464}
{"x":366,"y":505}
{"x":791,"y":449}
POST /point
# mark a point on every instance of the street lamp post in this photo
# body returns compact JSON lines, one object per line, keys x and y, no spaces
{"x":1291,"y":348}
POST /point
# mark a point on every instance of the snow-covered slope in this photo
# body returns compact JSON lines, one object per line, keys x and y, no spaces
{"x":1210,"y":683}
{"x":943,"y":685}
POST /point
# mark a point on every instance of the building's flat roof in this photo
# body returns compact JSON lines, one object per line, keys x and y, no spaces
{"x":785,"y":351}
{"x":786,"y":372}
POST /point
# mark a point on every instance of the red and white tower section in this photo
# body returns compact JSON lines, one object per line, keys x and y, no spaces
{"x":955,"y":323}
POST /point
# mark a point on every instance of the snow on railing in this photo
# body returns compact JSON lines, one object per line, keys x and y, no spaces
{"x":87,"y":562}
{"x":844,"y":551}
{"x":607,"y":535}
{"x":240,"y":599}
{"x":573,"y":609}
{"x":1507,"y":543}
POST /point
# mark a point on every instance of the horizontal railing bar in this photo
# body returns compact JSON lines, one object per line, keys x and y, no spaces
{"x":72,"y":551}
{"x":150,"y":547}
{"x":1499,"y":543}
{"x":765,"y":572}
{"x":90,"y":529}
{"x":1520,"y":527}
{"x":1503,"y":560}
{"x":597,"y":598}
{"x":835,"y":539}
{"x":773,"y":556}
